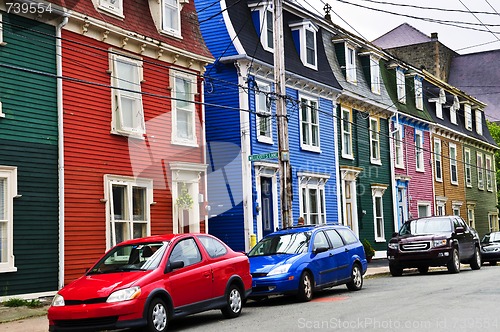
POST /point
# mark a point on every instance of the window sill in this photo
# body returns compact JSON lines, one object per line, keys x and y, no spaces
{"x":171,"y":33}
{"x":347,"y":156}
{"x":380,"y":240}
{"x":193,"y":144}
{"x":8,"y":269}
{"x":420,"y":170}
{"x":439,"y":180}
{"x":454,"y":183}
{"x":311,"y":148}
{"x":3,"y":43}
{"x":111,"y":12}
{"x":265,"y":139}
{"x":399,"y":166}
{"x":377,"y":162}
{"x":128,"y":134}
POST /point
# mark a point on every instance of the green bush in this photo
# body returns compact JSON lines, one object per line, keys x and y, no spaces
{"x":369,"y":251}
{"x":15,"y":302}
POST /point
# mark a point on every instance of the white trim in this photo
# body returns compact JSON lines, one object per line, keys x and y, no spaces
{"x":264,"y":8}
{"x":189,"y":108}
{"x":480,"y":170}
{"x":453,"y":162}
{"x":374,"y":131}
{"x":378,"y":192}
{"x":399,"y":144}
{"x":350,"y":68}
{"x":420,"y":160}
{"x":310,"y":125}
{"x":230,"y":30}
{"x":308,"y":182}
{"x":468,"y":116}
{"x":2,"y":43}
{"x":453,"y":110}
{"x":467,"y":166}
{"x":28,"y":296}
{"x":348,"y":154}
{"x":375,"y":81}
{"x":479,"y":121}
{"x":266,"y":87}
{"x":114,"y":8}
{"x":438,"y":156}
{"x":401,"y":85}
{"x":9,"y":175}
{"x":489,"y":172}
{"x":419,"y":93}
{"x":176,"y":9}
{"x":303,"y":27}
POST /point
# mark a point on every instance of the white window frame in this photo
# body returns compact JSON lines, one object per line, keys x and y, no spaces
{"x":398,"y":137}
{"x":8,"y":175}
{"x":127,"y":90}
{"x":350,"y":64}
{"x":453,"y":110}
{"x":489,"y":173}
{"x":493,"y":221}
{"x":311,"y":112}
{"x":471,"y":216}
{"x":169,"y":7}
{"x":427,"y":206}
{"x":440,"y":207}
{"x":419,"y":95}
{"x":419,"y":151}
{"x":2,"y":43}
{"x":480,"y":171}
{"x":456,"y":209}
{"x":479,"y":121}
{"x":440,"y":101}
{"x":111,"y":7}
{"x":189,"y":108}
{"x":129,"y":183}
{"x":438,"y":160}
{"x":374,"y":128}
{"x":302,"y":28}
{"x":453,"y":163}
{"x":401,"y":85}
{"x":378,"y":220}
{"x":468,"y":116}
{"x":346,"y":129}
{"x":263,"y":109}
{"x":375,"y":75}
{"x":308,"y":182}
{"x":468,"y":167}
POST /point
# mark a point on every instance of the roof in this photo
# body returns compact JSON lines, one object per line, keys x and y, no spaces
{"x":475,"y":74}
{"x":138,"y":19}
{"x":241,"y":19}
{"x":402,"y":35}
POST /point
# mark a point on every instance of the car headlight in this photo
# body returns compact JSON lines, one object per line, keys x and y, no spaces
{"x":279,"y":269}
{"x":124,"y":294}
{"x":58,"y":301}
{"x":439,"y":243}
{"x":393,"y":245}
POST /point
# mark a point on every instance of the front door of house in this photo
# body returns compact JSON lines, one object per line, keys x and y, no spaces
{"x":402,"y":206}
{"x":266,"y":199}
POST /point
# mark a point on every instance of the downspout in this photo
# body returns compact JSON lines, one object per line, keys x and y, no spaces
{"x":60,"y":147}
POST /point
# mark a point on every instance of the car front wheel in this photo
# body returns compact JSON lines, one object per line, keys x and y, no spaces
{"x":157,"y":316}
{"x":454,"y":262}
{"x":356,"y":279}
{"x":475,"y":262}
{"x":396,"y":270}
{"x":234,"y":303}
{"x":305,"y":287}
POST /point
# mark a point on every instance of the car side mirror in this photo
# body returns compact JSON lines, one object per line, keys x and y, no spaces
{"x":320,"y":250}
{"x":459,"y":230}
{"x":395,"y":234}
{"x":174,"y":265}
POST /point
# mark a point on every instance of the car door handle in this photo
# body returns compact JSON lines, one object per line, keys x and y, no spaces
{"x":346,"y":250}
{"x":206,"y":274}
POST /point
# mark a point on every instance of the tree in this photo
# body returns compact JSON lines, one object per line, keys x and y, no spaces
{"x":494,"y":129}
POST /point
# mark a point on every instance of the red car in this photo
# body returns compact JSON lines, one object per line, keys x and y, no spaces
{"x":147,"y":282}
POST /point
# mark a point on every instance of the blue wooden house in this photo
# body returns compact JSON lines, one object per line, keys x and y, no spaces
{"x":243,"y":190}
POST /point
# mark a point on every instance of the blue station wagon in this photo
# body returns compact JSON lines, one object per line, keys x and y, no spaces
{"x":301,"y":260}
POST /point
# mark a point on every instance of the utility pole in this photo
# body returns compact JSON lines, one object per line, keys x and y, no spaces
{"x":281,"y":115}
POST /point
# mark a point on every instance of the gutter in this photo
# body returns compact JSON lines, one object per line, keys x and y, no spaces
{"x":60,"y":110}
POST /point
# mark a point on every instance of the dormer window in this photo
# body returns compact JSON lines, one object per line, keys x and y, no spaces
{"x":479,"y":122}
{"x":114,"y":7}
{"x":262,"y":15}
{"x":304,"y":36}
{"x":440,"y":101}
{"x":375,"y":74}
{"x":350,"y":64}
{"x":171,"y":16}
{"x":468,"y":116}
{"x":419,"y":97}
{"x":453,"y":110}
{"x":400,"y":85}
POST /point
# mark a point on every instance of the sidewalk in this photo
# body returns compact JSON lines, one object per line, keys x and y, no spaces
{"x":23,"y":319}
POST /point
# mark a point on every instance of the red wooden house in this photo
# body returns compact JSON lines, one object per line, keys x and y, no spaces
{"x":134,"y":160}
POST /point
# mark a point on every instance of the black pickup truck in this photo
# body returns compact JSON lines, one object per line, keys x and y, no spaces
{"x":434,"y":241}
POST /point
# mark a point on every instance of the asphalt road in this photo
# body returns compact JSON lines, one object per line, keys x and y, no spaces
{"x":437,"y":301}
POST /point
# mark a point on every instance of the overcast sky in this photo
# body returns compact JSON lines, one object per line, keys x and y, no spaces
{"x":482,"y":31}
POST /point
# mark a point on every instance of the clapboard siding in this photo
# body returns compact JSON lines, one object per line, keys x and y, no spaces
{"x":91,"y":151}
{"x":29,"y":142}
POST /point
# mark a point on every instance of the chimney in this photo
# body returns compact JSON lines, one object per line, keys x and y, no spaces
{"x":434,"y":36}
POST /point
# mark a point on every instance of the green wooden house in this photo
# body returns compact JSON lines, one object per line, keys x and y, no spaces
{"x":29,"y":199}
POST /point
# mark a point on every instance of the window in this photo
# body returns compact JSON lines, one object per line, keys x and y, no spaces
{"x":479,"y":122}
{"x":400,"y":85}
{"x":453,"y":164}
{"x":350,"y":65}
{"x":346,"y":128}
{"x":309,"y":119}
{"x":184,"y":129}
{"x":263,"y":110}
{"x":375,"y":75}
{"x":334,"y":238}
{"x":437,"y":160}
{"x":419,"y":97}
{"x":374,"y":141}
{"x":187,"y":251}
{"x":1,"y":35}
{"x":8,"y":191}
{"x":214,"y":247}
{"x":269,"y":31}
{"x":304,"y":33}
{"x":262,"y":15}
{"x":312,"y":206}
{"x":453,"y":110}
{"x":456,"y":208}
{"x":440,"y":207}
{"x":419,"y":150}
{"x":480,"y":174}
{"x":468,"y":116}
{"x":439,"y":103}
{"x":111,"y":6}
{"x":171,"y":16}
{"x":398,"y":145}
{"x":129,"y":202}
{"x":378,"y":211}
{"x":348,"y":236}
{"x":128,"y":114}
{"x":424,"y":210}
{"x":493,"y":222}
{"x":489,"y":173}
{"x":468,"y":168}
{"x":471,"y":219}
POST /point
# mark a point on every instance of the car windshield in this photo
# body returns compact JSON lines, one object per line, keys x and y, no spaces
{"x":293,"y":243}
{"x":426,"y":226}
{"x":493,"y":237}
{"x":133,"y":257}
